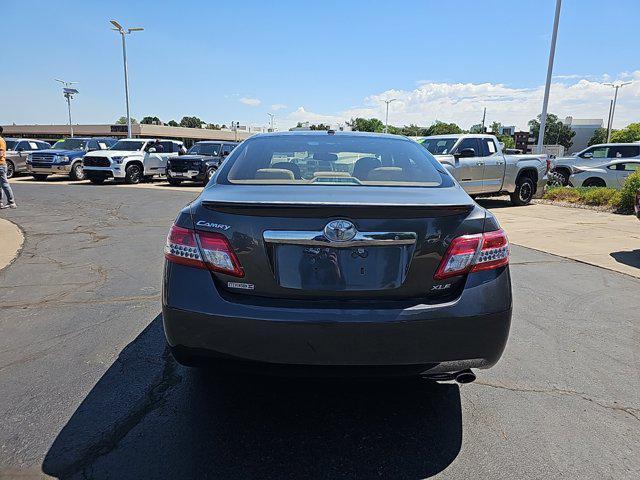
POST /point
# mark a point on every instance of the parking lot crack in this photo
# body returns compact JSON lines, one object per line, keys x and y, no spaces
{"x":633,"y":412}
{"x":153,"y":399}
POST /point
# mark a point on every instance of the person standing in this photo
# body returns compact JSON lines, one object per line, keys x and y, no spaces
{"x":4,"y":181}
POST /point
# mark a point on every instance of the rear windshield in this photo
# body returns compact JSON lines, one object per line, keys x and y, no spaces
{"x":438,"y":146}
{"x":332,"y":160}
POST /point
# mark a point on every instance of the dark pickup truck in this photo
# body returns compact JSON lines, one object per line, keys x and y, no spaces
{"x":200,"y":162}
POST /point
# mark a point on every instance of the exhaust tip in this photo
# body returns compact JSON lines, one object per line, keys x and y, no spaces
{"x":465,"y":376}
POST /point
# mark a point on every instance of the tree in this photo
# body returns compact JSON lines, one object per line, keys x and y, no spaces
{"x":599,"y":136}
{"x":507,"y":140}
{"x":123,"y":121}
{"x":320,"y":126}
{"x":630,"y":133}
{"x":555,"y":132}
{"x":366,"y":125}
{"x":213,"y":126}
{"x":151,"y":121}
{"x":191,"y":122}
{"x":173,"y":123}
{"x":442,"y":128}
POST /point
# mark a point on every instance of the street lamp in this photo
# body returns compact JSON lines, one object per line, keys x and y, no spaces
{"x":613,"y":106}
{"x":386,"y":121}
{"x":271,"y":115}
{"x":547,"y":86}
{"x":68,"y":93}
{"x":122,"y":31}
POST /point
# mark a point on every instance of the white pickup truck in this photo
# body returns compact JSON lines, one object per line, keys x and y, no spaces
{"x":476,"y":161}
{"x":131,"y":159}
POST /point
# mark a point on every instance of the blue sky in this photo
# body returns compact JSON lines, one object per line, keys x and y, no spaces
{"x":318,"y":61}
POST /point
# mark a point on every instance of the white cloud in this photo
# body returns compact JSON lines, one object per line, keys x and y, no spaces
{"x":463,"y":103}
{"x":278,"y":106}
{"x":252,"y":102}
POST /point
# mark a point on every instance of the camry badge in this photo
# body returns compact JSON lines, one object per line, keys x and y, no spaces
{"x":340,"y":231}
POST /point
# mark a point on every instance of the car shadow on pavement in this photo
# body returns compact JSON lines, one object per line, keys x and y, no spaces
{"x":631,"y":257}
{"x":148,"y":417}
{"x":492,"y":203}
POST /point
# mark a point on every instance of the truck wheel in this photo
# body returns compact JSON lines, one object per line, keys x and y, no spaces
{"x":524,"y":192}
{"x":77,"y":173}
{"x":565,"y":176}
{"x":40,"y":176}
{"x":556,"y":179}
{"x":11,"y":169}
{"x":96,"y":180}
{"x":133,"y":174}
{"x":174,"y":181}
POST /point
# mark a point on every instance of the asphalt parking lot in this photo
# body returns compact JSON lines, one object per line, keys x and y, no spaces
{"x":88,"y":389}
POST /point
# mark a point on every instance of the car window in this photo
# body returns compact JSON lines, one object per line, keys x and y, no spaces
{"x":596,"y":152}
{"x":438,"y":146}
{"x":488,"y":147}
{"x":200,"y":148}
{"x":23,"y":145}
{"x":468,"y":143}
{"x":168,"y":147}
{"x":93,"y":145}
{"x":227,"y":149}
{"x":333,"y":160}
{"x":629,"y":167}
{"x":624,"y":151}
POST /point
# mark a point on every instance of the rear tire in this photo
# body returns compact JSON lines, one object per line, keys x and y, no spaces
{"x":96,"y":180}
{"x":41,"y":177}
{"x":77,"y":173}
{"x":133,"y":174}
{"x":524,"y":192}
{"x":594,"y":182}
{"x":11,"y":169}
{"x":175,"y":182}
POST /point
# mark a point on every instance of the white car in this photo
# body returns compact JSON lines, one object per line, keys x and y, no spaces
{"x":131,"y":160}
{"x":596,"y":155}
{"x":612,"y":174}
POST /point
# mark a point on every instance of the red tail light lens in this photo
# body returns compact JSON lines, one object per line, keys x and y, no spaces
{"x":218,"y":254}
{"x":472,"y":253}
{"x":202,"y":250}
{"x":182,"y":247}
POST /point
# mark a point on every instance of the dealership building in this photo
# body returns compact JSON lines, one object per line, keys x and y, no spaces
{"x":189,"y":136}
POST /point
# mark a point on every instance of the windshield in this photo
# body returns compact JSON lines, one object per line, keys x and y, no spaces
{"x":333,"y":160}
{"x":70,"y":144}
{"x":11,"y":144}
{"x":212,"y":149}
{"x":439,"y":146}
{"x":128,"y":145}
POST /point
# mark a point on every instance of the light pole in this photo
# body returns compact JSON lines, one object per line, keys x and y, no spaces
{"x":547,"y":86}
{"x":386,"y":121}
{"x":271,"y":115}
{"x":122,"y":31}
{"x":68,"y":93}
{"x":613,"y":106}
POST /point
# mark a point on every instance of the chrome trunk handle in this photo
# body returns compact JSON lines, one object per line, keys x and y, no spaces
{"x":361,"y":239}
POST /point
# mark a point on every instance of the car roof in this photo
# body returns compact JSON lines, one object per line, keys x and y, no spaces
{"x":462,"y":135}
{"x":324,"y":133}
{"x":152,"y":139}
{"x":621,"y":144}
{"x":14,"y":139}
{"x":215,"y":141}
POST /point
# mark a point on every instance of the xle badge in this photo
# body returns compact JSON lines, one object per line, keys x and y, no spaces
{"x":443,"y":286}
{"x":244,"y":286}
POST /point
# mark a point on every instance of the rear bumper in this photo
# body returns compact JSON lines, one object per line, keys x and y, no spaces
{"x":470,"y":332}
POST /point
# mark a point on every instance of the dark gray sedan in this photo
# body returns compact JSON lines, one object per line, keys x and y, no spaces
{"x":320,"y":253}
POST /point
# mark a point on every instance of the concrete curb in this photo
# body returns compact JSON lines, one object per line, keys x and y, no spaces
{"x":11,"y":241}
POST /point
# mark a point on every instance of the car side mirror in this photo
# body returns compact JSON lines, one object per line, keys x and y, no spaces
{"x":152,"y":150}
{"x":587,"y":155}
{"x":465,"y":153}
{"x":19,"y":149}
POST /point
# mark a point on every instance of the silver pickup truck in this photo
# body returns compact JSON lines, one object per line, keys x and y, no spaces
{"x":476,"y":161}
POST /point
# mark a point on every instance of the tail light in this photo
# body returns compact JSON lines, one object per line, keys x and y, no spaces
{"x":202,"y":250}
{"x":472,"y":253}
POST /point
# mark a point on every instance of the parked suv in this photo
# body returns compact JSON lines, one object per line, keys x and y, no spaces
{"x":131,"y":160}
{"x":18,"y":150}
{"x":65,"y":157}
{"x":596,"y":155}
{"x":200,"y":162}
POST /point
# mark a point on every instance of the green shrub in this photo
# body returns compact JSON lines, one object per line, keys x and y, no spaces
{"x":598,"y":196}
{"x":594,"y":196}
{"x":562,"y":194}
{"x":629,"y":189}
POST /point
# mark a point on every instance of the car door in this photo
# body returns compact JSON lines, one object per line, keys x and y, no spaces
{"x":153,"y":161}
{"x":594,"y":156}
{"x":469,"y":171}
{"x":23,"y":149}
{"x":494,"y":165}
{"x":623,"y":170}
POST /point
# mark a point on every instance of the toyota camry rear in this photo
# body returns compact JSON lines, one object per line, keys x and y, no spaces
{"x":338,"y":253}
